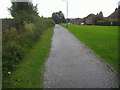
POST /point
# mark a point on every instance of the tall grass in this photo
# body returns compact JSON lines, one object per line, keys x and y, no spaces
{"x":16,"y":42}
{"x":29,"y":71}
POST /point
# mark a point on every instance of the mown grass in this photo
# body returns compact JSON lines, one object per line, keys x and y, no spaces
{"x":102,"y":39}
{"x":28,"y":73}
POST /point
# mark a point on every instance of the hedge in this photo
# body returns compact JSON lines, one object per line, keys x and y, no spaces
{"x":108,"y":23}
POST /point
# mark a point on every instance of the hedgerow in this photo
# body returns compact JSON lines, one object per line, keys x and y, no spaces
{"x":16,"y":42}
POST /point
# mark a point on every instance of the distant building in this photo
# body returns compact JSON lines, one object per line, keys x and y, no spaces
{"x":76,"y":21}
{"x":114,"y":15}
{"x":92,"y":18}
{"x":89,"y":20}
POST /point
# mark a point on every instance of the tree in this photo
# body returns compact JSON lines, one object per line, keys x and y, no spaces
{"x":58,"y":17}
{"x":98,"y":17}
{"x":100,"y":14}
{"x":23,"y":12}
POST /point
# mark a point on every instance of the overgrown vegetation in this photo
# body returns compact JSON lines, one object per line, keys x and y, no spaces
{"x":19,"y":38}
{"x":7,"y":23}
{"x":23,"y":12}
{"x":29,"y":72}
{"x":102,"y":39}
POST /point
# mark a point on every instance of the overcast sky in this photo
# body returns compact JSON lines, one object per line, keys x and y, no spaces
{"x":77,"y":8}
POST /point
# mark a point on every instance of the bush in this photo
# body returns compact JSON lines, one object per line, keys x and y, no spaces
{"x":103,"y":23}
{"x":116,"y":23}
{"x":8,"y":23}
{"x":12,"y":53}
{"x":15,"y":43}
{"x":108,"y":23}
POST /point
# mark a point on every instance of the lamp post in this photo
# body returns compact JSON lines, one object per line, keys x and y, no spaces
{"x":66,"y":12}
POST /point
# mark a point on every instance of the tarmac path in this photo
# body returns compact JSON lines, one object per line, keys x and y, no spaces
{"x":71,"y":64}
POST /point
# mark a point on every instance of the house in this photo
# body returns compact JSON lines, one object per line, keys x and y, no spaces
{"x":114,"y":15}
{"x":89,"y":20}
{"x":76,"y":21}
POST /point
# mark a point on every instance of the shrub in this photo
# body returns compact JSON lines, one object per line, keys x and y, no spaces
{"x":12,"y":53}
{"x":103,"y":23}
{"x":116,"y":23}
{"x":7,"y":23}
{"x":15,"y":43}
{"x":108,"y":23}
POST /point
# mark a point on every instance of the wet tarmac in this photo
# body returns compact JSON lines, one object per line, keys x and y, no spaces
{"x":71,"y":64}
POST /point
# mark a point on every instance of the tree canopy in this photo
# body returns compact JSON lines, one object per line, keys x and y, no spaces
{"x":23,"y":11}
{"x":98,"y":17}
{"x":58,"y":17}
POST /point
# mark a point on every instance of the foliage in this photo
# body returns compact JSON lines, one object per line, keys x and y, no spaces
{"x":18,"y":38}
{"x":98,"y":17}
{"x":23,"y":11}
{"x":100,"y":14}
{"x":103,"y":23}
{"x":22,"y":6}
{"x":58,"y":17}
{"x":7,"y":23}
{"x":16,"y":43}
{"x":108,"y":23}
{"x":94,"y":18}
{"x":31,"y":65}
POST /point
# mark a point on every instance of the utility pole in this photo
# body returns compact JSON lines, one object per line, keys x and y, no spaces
{"x":66,"y":12}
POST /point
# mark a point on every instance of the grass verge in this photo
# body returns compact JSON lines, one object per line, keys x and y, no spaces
{"x":102,"y":39}
{"x":29,"y":72}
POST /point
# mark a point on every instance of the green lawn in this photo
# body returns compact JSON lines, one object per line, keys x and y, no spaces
{"x":29,"y":72}
{"x":102,"y":39}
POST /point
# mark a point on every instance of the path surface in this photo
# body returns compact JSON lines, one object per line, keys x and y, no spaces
{"x":73,"y":65}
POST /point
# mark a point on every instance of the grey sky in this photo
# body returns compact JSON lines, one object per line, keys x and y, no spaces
{"x":77,"y":8}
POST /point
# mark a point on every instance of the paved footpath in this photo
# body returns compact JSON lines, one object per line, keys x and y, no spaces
{"x":73,"y":65}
